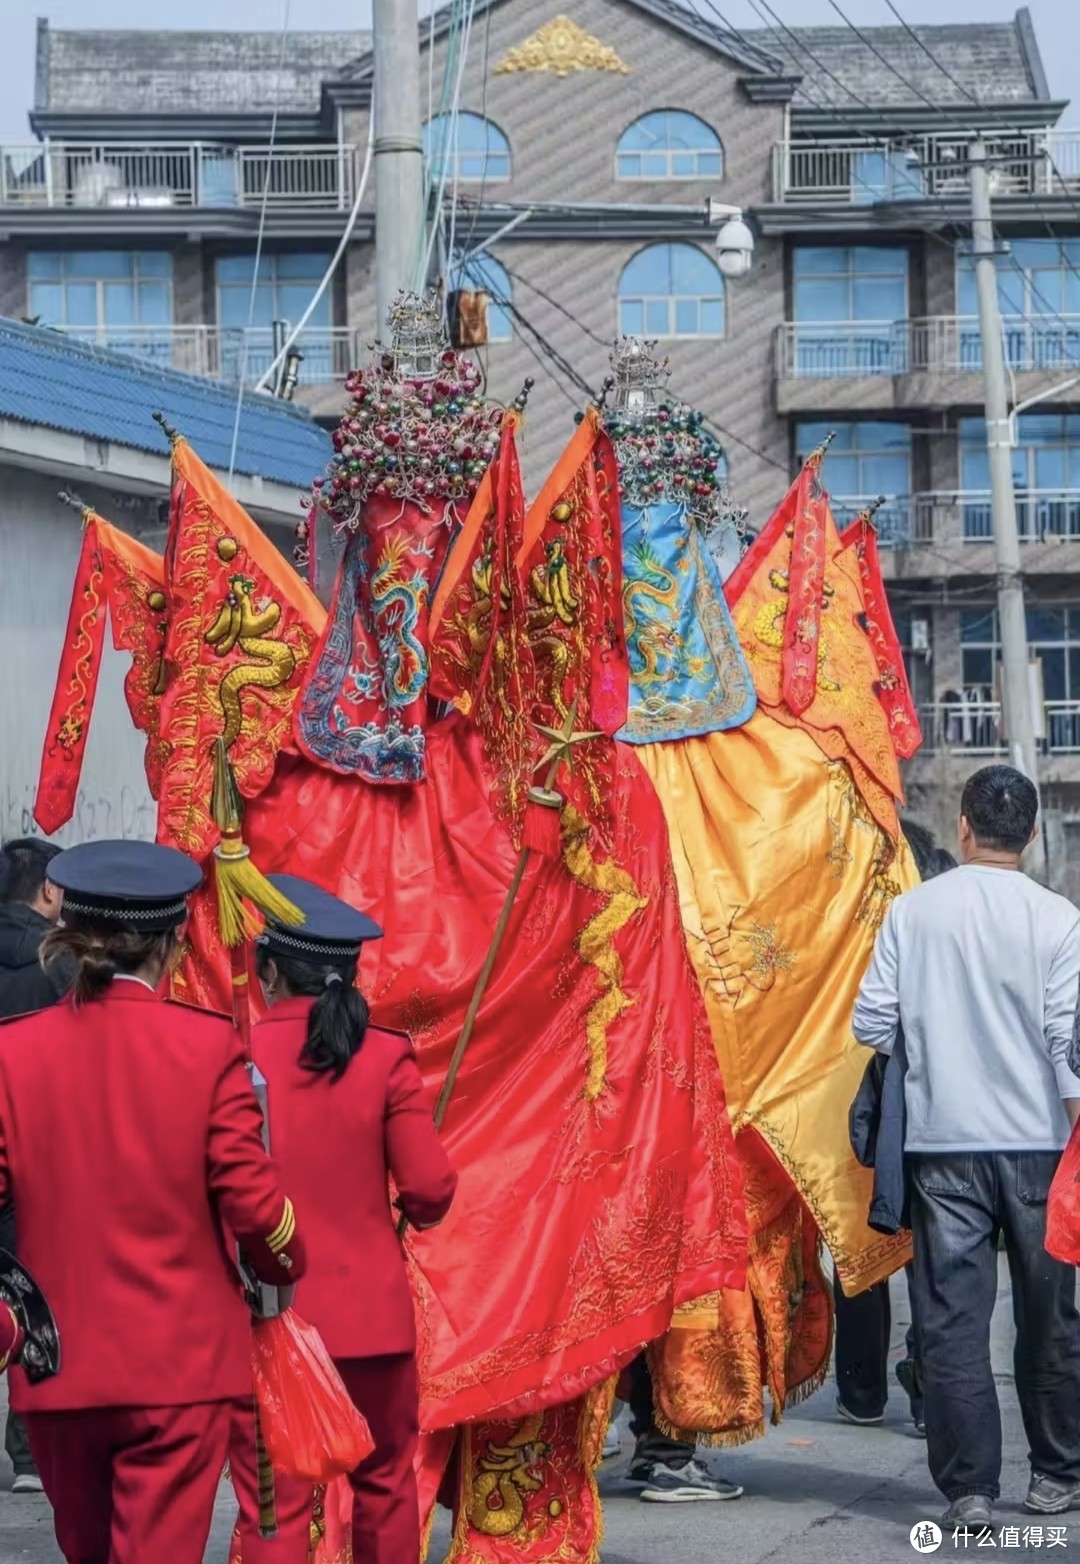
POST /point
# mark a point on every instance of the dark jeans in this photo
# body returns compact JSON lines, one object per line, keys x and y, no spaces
{"x":649,"y":1443}
{"x":960,"y":1203}
{"x":863,"y":1330}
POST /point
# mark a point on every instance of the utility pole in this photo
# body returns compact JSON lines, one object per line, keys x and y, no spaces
{"x":1015,"y":684}
{"x":398,"y":153}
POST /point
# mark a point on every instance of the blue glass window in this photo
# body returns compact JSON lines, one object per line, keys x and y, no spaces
{"x":283,"y":292}
{"x":1046,"y":477}
{"x":865,"y":459}
{"x":1038,"y":285}
{"x":484,"y":272}
{"x":847,"y":299}
{"x":465,"y":147}
{"x":669,"y":144}
{"x":1053,"y":632}
{"x":671,"y":290}
{"x":113,"y":297}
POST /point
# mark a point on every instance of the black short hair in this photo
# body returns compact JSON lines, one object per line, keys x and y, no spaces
{"x":1000,"y":805}
{"x":24,"y":868}
{"x":921,"y":842}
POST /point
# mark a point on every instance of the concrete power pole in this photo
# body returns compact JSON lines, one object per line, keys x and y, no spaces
{"x":398,"y":153}
{"x":1015,"y":685}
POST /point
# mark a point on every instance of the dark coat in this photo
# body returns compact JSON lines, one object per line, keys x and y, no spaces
{"x":25,"y":986}
{"x":877,"y":1123}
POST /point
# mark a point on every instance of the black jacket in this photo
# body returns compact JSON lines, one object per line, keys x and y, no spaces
{"x":876,"y":1124}
{"x":24,"y":985}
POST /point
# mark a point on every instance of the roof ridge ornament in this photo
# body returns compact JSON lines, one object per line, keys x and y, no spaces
{"x":561,"y":47}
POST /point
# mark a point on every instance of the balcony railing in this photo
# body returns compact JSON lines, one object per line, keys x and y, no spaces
{"x":168,"y":173}
{"x":229,"y":353}
{"x":942,"y":344}
{"x":922,"y":168}
{"x":965,"y":727}
{"x":1042,"y":516}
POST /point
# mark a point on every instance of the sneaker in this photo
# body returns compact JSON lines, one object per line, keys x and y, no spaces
{"x":846,"y":1415}
{"x":27,"y":1482}
{"x":973,"y":1512}
{"x":686,"y":1485}
{"x":919,"y":1426}
{"x":1051,"y":1496}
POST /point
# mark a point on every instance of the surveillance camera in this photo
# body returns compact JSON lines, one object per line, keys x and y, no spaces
{"x":735,"y":248}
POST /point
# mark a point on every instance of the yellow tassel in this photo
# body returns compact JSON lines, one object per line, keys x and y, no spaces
{"x":245,"y":896}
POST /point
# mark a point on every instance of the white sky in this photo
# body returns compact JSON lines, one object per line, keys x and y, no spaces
{"x":1057,"y":27}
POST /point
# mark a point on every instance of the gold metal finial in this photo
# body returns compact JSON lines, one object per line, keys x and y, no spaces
{"x":868,"y":512}
{"x":66,"y":497}
{"x":815,"y":459}
{"x":226,"y":805}
{"x":523,"y":395}
{"x":560,"y":751}
{"x":166,"y":428}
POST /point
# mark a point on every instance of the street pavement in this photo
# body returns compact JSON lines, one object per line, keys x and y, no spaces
{"x":817,"y":1492}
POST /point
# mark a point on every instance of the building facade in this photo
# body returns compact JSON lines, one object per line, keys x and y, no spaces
{"x":586,"y":148}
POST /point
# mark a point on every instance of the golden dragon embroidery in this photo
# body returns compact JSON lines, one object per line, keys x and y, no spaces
{"x":240,"y":624}
{"x":497,"y":1503}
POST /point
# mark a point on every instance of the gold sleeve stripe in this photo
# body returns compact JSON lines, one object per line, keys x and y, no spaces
{"x":284,"y":1231}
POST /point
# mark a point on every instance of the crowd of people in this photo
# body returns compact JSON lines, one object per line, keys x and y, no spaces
{"x":133,"y":1167}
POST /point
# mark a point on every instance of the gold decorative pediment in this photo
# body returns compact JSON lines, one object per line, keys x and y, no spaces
{"x":561,"y":46}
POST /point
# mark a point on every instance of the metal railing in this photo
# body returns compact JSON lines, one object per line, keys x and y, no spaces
{"x":229,"y":353}
{"x":168,"y":173}
{"x":941,"y":344}
{"x":923,"y":168}
{"x":958,"y":516}
{"x":966,"y":727}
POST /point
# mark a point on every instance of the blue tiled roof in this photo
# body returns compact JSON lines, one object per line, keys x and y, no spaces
{"x":49,"y":379}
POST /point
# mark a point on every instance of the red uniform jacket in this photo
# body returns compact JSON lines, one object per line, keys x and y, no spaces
{"x":129,"y":1131}
{"x":335,"y":1143}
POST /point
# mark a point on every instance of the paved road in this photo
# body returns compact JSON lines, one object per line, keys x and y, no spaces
{"x":817,"y":1492}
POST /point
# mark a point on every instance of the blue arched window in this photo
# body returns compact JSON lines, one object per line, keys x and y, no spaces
{"x":669,"y":144}
{"x":484,"y":273}
{"x":671,"y":290}
{"x":470,"y":148}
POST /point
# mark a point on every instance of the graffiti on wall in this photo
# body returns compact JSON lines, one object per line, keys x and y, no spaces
{"x":128,"y":813}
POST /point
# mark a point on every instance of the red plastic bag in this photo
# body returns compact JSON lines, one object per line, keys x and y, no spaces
{"x":1063,"y":1205}
{"x":310,"y":1427}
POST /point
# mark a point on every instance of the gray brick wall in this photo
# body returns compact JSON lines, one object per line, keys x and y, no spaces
{"x":563,"y":135}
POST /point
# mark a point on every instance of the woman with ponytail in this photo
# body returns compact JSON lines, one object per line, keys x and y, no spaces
{"x":129,"y":1132}
{"x":347,"y":1113}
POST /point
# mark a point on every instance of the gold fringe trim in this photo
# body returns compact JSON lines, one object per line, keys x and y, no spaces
{"x":721,"y":1439}
{"x":240,"y":887}
{"x":595,"y":944}
{"x":809,"y":1387}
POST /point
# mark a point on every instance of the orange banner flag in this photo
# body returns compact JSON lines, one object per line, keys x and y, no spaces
{"x":242,"y":625}
{"x":844,"y":716}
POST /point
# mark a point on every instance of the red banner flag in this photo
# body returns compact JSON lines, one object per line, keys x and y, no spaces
{"x":802,"y":622}
{"x":76,"y":686}
{"x":480,"y":658}
{"x":138,"y":616}
{"x":241,"y":629}
{"x":893,"y":689}
{"x":572,"y":557}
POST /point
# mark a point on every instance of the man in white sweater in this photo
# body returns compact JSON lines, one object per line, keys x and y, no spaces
{"x":981,"y":969}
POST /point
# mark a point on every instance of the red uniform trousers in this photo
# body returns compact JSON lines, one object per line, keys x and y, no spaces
{"x":132,"y":1485}
{"x":386,"y":1508}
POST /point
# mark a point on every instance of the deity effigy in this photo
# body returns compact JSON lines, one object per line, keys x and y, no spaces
{"x":620,"y":822}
